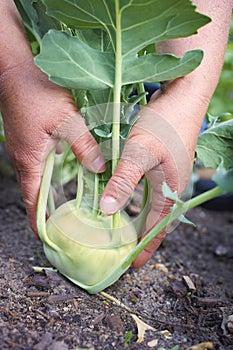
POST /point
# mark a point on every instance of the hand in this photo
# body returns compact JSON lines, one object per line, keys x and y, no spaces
{"x":37,"y":114}
{"x":161,"y":147}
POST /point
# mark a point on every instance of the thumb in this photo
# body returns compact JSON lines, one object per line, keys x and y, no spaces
{"x":86,"y":149}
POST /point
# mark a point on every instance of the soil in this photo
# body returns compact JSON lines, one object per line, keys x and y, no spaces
{"x":44,"y":311}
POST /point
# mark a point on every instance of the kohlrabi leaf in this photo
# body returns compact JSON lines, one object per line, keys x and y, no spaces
{"x":72,"y":63}
{"x":96,"y":38}
{"x":96,"y":97}
{"x":102,"y":133}
{"x":44,"y":22}
{"x":168,"y":193}
{"x":215,"y":146}
{"x":156,"y":68}
{"x":138,"y":22}
{"x":35,"y":18}
{"x":184,"y":220}
{"x":224,"y":179}
{"x":130,"y":27}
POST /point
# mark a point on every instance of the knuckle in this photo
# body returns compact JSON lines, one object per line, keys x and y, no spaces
{"x":119,"y":189}
{"x":84,"y":146}
{"x":144,"y":149}
{"x":122,"y":185}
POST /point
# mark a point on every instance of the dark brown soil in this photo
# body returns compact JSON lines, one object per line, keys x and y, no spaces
{"x":45,"y":311}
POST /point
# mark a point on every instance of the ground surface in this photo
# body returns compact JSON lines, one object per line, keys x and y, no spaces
{"x":45,"y":311}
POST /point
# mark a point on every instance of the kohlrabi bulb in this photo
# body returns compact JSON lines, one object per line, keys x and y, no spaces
{"x":90,"y":249}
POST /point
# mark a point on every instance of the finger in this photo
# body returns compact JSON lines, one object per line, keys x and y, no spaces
{"x":149,"y":251}
{"x":29,"y":169}
{"x":170,"y":172}
{"x":145,"y":147}
{"x":160,"y":208}
{"x":136,"y":159}
{"x":30,"y":183}
{"x":82,"y":143}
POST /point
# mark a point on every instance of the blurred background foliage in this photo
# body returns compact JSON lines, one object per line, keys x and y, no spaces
{"x":222,"y":100}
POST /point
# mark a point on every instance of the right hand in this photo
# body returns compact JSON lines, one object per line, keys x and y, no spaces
{"x":160,"y":146}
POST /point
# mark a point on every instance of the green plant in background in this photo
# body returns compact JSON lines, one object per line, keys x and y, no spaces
{"x":222,"y":100}
{"x":128,"y":337}
{"x":102,"y":51}
{"x":176,"y":347}
{"x":2,"y":135}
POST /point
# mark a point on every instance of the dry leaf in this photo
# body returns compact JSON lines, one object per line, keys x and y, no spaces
{"x":208,"y":345}
{"x":142,"y":328}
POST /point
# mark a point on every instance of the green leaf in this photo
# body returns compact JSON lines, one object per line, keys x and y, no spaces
{"x":156,"y":68}
{"x":128,"y":337}
{"x":224,"y":179}
{"x":102,"y":133}
{"x":72,"y":63}
{"x":129,"y":26}
{"x":215,"y":146}
{"x":2,"y":134}
{"x":35,"y":18}
{"x":29,"y":16}
{"x":184,"y":220}
{"x":44,"y":22}
{"x":141,"y":23}
{"x":99,"y":97}
{"x":96,"y":38}
{"x":125,"y":129}
{"x":168,"y":193}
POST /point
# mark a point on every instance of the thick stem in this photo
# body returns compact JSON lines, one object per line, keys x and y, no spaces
{"x":204,"y":197}
{"x":80,"y":186}
{"x":146,"y":188}
{"x":116,"y":103}
{"x":96,"y":197}
{"x":141,"y":89}
{"x":140,"y":220}
{"x":174,"y":215}
{"x":51,"y":204}
{"x":42,"y":202}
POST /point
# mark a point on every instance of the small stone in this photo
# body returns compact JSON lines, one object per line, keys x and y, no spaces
{"x":229,"y":324}
{"x":221,"y":250}
{"x":189,"y":283}
{"x":160,"y":267}
{"x":146,"y":278}
{"x":153,"y":343}
{"x":178,"y":288}
{"x":230,"y":327}
{"x":115,"y":323}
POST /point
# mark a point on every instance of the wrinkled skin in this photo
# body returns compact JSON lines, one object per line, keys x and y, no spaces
{"x":37,"y":114}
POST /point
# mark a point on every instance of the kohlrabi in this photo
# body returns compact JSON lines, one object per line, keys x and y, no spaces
{"x":103,"y":51}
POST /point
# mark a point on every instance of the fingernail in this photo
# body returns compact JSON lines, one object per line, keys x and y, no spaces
{"x":109,"y":205}
{"x":98,"y":164}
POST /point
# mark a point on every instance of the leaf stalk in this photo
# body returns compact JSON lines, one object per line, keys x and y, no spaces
{"x":117,"y":103}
